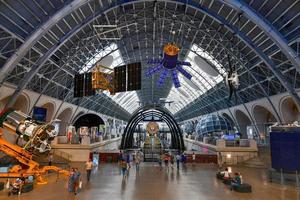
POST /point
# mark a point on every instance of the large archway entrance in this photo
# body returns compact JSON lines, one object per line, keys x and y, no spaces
{"x":157,"y":114}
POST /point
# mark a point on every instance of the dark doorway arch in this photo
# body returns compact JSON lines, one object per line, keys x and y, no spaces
{"x":243,"y":120}
{"x":144,"y":113}
{"x":89,"y":120}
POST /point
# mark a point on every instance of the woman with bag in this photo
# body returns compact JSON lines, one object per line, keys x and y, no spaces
{"x":77,"y":181}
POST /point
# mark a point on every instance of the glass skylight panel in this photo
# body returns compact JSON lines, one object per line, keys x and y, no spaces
{"x":120,"y":98}
{"x":201,"y":79}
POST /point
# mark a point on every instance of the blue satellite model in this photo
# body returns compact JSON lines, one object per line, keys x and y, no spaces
{"x":170,"y":65}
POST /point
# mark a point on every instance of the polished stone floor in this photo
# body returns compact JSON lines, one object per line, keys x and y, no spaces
{"x":191,"y":183}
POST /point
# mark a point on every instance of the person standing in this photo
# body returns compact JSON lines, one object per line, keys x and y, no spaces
{"x":77,"y":176}
{"x":71,"y":180}
{"x":193,"y":158}
{"x":50,"y":159}
{"x":137,"y":162}
{"x":166,"y":160}
{"x":124,"y":168}
{"x":89,"y":167}
{"x":177,"y":160}
{"x":160,"y":159}
{"x":220,"y":161}
{"x":172,"y":161}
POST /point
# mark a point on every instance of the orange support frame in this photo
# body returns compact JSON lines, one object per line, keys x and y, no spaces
{"x":25,"y":158}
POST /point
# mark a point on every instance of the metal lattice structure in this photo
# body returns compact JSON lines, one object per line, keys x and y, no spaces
{"x":44,"y":43}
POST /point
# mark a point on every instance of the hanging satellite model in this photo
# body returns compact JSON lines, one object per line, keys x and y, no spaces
{"x":170,"y":65}
{"x":119,"y":79}
{"x":232,"y":80}
{"x":102,"y":80}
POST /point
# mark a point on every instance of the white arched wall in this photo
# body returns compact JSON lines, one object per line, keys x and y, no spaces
{"x":35,"y":99}
{"x":50,"y":106}
{"x":263,"y":118}
{"x":64,"y":117}
{"x":289,"y":110}
{"x":22,"y":104}
{"x":243,"y":120}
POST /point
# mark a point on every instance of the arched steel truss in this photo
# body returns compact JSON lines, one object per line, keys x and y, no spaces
{"x":200,"y":106}
{"x":177,"y":139}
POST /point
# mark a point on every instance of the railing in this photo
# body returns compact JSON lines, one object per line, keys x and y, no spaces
{"x":237,"y":143}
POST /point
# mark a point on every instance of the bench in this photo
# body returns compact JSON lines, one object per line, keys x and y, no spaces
{"x":227,"y":181}
{"x":27,"y":187}
{"x":220,"y":176}
{"x":243,"y":188}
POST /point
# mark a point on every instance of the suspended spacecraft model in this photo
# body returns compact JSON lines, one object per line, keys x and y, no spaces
{"x":232,"y":80}
{"x":170,"y":66}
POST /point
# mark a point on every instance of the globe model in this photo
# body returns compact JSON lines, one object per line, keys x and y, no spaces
{"x":211,"y":124}
{"x":189,"y":127}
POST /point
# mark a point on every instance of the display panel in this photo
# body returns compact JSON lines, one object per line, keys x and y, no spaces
{"x":39,"y":114}
{"x":285,"y":150}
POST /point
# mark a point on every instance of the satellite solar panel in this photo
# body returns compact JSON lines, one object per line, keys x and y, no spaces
{"x":88,"y":89}
{"x":120,"y":78}
{"x":184,"y":72}
{"x":79,"y":85}
{"x":162,"y":77}
{"x":134,"y":76}
{"x":175,"y":79}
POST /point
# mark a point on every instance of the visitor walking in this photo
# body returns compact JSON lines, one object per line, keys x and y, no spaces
{"x":193,"y":158}
{"x":166,"y":160}
{"x":137,"y":162}
{"x":177,"y":160}
{"x":124,"y":168}
{"x":77,"y":181}
{"x":220,"y":161}
{"x":89,"y":166}
{"x":120,"y":158}
{"x":172,"y":161}
{"x":71,"y":181}
{"x":160,"y":159}
{"x":50,"y":159}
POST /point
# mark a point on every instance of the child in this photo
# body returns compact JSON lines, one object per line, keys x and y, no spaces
{"x":124,"y":168}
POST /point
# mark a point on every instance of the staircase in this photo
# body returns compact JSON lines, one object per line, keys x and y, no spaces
{"x":60,"y":158}
{"x":152,"y":149}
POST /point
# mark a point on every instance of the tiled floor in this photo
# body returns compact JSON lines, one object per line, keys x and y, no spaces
{"x":192,"y":183}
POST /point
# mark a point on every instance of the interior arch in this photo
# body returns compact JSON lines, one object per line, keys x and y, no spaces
{"x":243,"y":120}
{"x":64,"y":117}
{"x":50,"y":110}
{"x":176,"y":132}
{"x":289,"y":110}
{"x":22,"y":103}
{"x":263,"y":118}
{"x":89,"y":120}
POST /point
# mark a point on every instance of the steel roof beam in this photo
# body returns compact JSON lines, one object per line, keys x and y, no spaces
{"x":38,"y":34}
{"x":268,"y":29}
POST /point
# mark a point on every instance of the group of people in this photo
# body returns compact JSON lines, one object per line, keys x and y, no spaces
{"x":15,"y":187}
{"x":125,"y":161}
{"x":74,"y":183}
{"x":234,"y":181}
{"x":170,"y":159}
